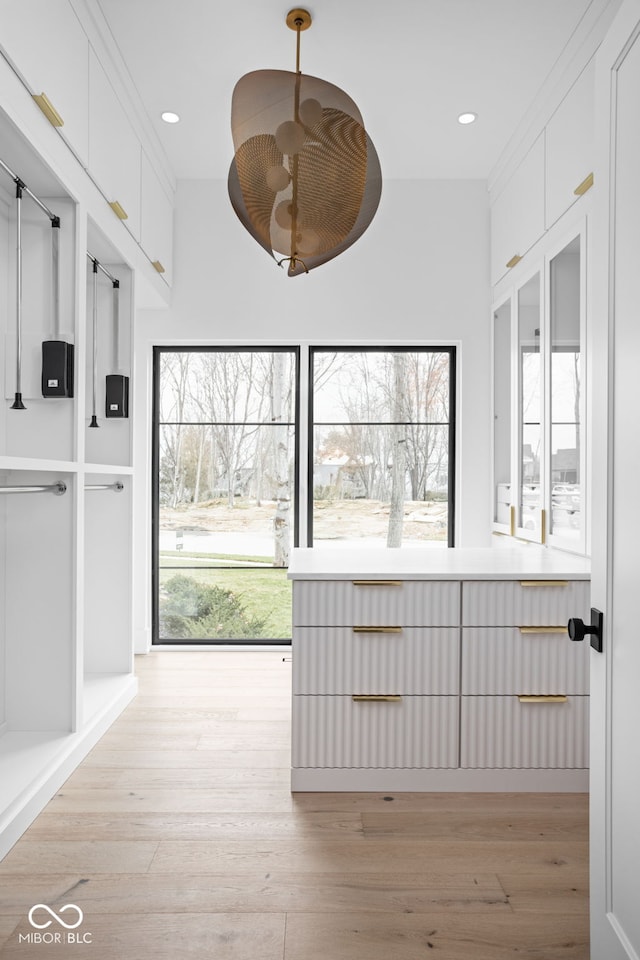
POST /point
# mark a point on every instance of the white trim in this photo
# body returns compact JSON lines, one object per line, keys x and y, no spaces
{"x":428,"y":781}
{"x":571,"y":63}
{"x":223,"y":648}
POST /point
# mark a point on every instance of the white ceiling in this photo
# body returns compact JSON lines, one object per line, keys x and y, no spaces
{"x":411,"y":67}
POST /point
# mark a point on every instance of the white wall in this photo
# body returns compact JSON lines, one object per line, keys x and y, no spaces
{"x":420,"y":274}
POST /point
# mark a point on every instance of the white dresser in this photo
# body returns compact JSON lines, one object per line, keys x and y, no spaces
{"x":438,"y":670}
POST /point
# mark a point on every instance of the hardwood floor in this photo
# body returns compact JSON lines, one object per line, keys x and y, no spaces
{"x":178,"y":838}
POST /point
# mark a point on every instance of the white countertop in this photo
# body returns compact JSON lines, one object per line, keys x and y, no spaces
{"x":433,"y":563}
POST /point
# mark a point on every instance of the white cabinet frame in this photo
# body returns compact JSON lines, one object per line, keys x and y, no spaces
{"x":571,"y":228}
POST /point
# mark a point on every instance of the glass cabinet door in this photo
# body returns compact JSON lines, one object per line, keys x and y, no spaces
{"x":530,"y":409}
{"x":502,"y":428}
{"x":565,"y":469}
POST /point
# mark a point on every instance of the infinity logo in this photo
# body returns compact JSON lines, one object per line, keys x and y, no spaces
{"x":47,"y":923}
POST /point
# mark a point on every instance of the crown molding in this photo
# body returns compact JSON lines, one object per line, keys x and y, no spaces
{"x":103,"y":43}
{"x":577,"y":53}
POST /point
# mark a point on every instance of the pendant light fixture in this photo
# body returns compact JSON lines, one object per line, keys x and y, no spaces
{"x":305,"y":179}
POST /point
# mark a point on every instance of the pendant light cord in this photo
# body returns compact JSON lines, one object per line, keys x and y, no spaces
{"x":298,"y":26}
{"x":294,"y":173}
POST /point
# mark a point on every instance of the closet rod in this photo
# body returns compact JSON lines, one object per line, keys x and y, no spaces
{"x":117,"y":486}
{"x":59,"y":487}
{"x":104,"y":270}
{"x":55,"y":220}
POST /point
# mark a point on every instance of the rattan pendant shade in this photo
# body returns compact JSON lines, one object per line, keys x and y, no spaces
{"x":305,"y":179}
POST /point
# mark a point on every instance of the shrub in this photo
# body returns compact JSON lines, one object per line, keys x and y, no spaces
{"x":193,"y":610}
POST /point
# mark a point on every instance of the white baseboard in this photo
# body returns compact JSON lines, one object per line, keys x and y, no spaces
{"x":432,"y":781}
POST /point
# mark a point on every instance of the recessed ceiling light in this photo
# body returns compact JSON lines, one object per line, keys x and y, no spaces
{"x":169,"y":117}
{"x":467,"y":117}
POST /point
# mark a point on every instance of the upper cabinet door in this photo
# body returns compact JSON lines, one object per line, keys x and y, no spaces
{"x":156,"y":231}
{"x":45,"y":43}
{"x":114,"y":149}
{"x":517,"y":214}
{"x":570,"y":146}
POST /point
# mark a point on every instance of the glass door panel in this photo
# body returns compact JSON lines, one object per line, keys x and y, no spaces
{"x":502,"y":415}
{"x":566,"y":513}
{"x":529,"y":509}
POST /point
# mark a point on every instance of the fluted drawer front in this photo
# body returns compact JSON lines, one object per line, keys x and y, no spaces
{"x":337,"y":660}
{"x":507,"y":603}
{"x":342,"y":603}
{"x":502,"y":732}
{"x":418,"y":732}
{"x":504,"y":660}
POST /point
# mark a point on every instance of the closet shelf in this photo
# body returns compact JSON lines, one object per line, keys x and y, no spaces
{"x":108,"y":468}
{"x":38,"y":465}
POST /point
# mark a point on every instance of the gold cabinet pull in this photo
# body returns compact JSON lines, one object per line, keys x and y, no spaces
{"x":48,"y":109}
{"x":157,"y":266}
{"x":376,"y":698}
{"x":119,"y":210}
{"x":377,"y":629}
{"x":533,"y":630}
{"x":544,"y":583}
{"x":512,"y":521}
{"x":542,"y":698}
{"x":586,"y":184}
{"x":516,"y":258}
{"x":377,"y":583}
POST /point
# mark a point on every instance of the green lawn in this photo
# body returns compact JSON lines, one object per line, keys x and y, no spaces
{"x":264,"y":592}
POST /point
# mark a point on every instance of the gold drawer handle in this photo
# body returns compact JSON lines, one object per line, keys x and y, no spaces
{"x":544,"y":583}
{"x":377,"y":583}
{"x":533,"y":630}
{"x":48,"y":109}
{"x":543,"y":698}
{"x":586,"y":184}
{"x":375,"y":698}
{"x":119,"y":210}
{"x":379,"y":629}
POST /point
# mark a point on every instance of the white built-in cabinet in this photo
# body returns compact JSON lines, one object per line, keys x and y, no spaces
{"x":59,"y":59}
{"x":66,"y":648}
{"x":115,"y":153}
{"x":554,"y":173}
{"x":517,"y":214}
{"x":569,"y":147}
{"x":539,"y":397}
{"x":47,"y":46}
{"x":446,"y":671}
{"x":156,"y":222}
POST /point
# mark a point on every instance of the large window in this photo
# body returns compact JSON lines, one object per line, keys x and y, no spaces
{"x":227,"y":461}
{"x":382,"y":451}
{"x":225,"y":510}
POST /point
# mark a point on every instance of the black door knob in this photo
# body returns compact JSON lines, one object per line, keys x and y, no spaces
{"x":578,"y":629}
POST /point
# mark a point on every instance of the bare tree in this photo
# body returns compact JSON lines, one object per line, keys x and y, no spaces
{"x":173,"y":400}
{"x":280,"y":434}
{"x":398,"y":460}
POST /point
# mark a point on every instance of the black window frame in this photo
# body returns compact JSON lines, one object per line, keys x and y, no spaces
{"x":158,"y":351}
{"x":413,"y":348}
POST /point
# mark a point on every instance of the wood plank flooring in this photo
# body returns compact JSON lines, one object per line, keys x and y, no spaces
{"x":178,"y":838}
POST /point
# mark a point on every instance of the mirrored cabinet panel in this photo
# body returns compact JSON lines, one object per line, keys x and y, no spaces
{"x":566,"y":395}
{"x":530,"y":374}
{"x":539,"y":455}
{"x":502,"y":389}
